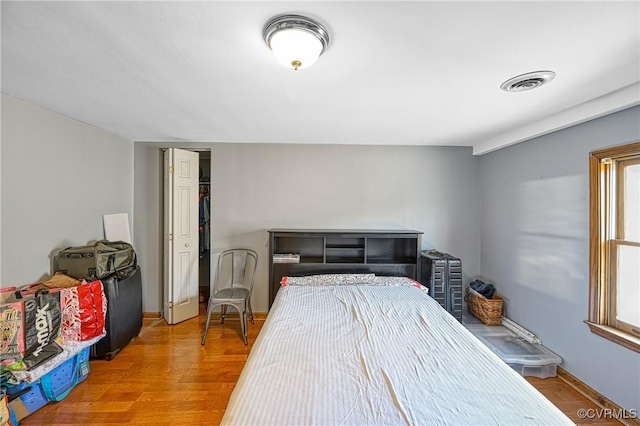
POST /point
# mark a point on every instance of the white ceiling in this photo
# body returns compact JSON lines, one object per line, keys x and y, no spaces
{"x":405,"y":73}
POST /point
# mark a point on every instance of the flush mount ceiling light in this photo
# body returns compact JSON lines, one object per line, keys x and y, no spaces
{"x":528,"y":81}
{"x":297,"y":41}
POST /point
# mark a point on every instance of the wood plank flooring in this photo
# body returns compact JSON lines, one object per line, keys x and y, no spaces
{"x":165,"y":377}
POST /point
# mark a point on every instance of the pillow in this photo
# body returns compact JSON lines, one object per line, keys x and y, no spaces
{"x":328,"y":279}
{"x":349,"y":279}
{"x":397,"y":281}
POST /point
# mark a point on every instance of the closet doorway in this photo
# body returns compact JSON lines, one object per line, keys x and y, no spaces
{"x":204,"y":225}
{"x":186,"y":232}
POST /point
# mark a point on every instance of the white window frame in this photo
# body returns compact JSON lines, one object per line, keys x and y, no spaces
{"x":605,"y":230}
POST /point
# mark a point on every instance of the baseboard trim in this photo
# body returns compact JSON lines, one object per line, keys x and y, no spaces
{"x":257,"y":316}
{"x":596,"y":397}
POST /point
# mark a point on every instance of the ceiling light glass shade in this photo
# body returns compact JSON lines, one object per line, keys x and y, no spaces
{"x":295,"y":40}
{"x":295,"y":48}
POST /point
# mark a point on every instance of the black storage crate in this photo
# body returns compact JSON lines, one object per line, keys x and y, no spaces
{"x":442,"y":274}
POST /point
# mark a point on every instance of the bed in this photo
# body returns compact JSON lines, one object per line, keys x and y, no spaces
{"x":352,"y":350}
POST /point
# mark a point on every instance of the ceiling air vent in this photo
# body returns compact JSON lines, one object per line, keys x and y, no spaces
{"x":527,"y":81}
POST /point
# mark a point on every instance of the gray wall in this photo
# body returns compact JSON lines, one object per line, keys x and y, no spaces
{"x":260,"y":186}
{"x":534,"y":208}
{"x":535,"y":246}
{"x":59,"y":176}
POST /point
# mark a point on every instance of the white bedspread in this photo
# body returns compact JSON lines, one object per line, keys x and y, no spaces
{"x":370,"y":355}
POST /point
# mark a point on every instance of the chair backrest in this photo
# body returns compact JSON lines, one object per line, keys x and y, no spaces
{"x":236,"y":268}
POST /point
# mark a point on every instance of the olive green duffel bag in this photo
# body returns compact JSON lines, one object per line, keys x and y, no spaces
{"x":98,"y":260}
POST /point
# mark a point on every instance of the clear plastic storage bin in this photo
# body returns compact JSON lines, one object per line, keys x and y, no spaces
{"x":526,"y":358}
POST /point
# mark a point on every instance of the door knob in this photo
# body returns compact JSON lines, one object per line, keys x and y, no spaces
{"x":186,"y":244}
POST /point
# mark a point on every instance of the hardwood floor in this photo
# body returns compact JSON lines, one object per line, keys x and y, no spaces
{"x":570,"y":401}
{"x":166,"y":377}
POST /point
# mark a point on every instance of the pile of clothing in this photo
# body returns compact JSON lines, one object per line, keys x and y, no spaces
{"x":485,"y":289}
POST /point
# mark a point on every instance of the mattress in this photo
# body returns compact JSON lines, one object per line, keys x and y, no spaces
{"x":369,"y":355}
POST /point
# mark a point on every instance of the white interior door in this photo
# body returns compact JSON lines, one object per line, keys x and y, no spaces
{"x":181,"y":172}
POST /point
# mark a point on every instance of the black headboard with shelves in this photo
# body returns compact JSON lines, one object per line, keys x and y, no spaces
{"x":341,"y":251}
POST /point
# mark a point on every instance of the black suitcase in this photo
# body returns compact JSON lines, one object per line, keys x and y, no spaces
{"x":442,"y":274}
{"x":124,"y":314}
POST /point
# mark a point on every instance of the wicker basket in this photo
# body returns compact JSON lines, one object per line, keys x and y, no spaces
{"x":489,"y":311}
